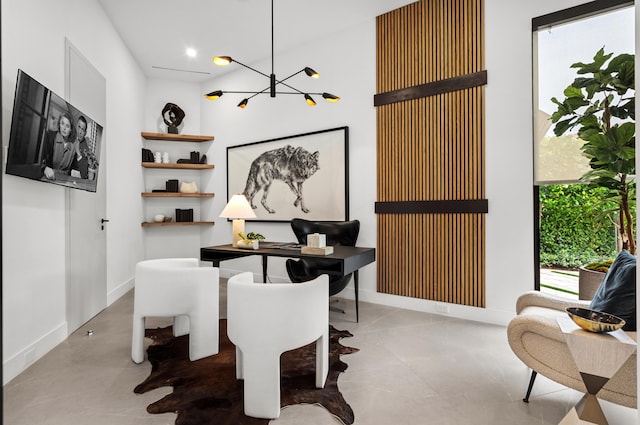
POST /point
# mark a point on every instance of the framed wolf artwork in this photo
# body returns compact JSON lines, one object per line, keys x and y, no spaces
{"x":305,"y":176}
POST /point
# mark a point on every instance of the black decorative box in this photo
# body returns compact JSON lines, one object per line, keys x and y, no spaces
{"x":184,"y":215}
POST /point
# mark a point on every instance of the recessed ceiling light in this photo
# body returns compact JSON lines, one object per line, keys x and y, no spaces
{"x":191,"y":52}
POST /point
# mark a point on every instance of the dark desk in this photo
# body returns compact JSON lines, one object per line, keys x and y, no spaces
{"x":344,"y":260}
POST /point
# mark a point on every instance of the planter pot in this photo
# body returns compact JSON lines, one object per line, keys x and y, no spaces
{"x":92,"y":174}
{"x":250,"y":244}
{"x":588,"y":283}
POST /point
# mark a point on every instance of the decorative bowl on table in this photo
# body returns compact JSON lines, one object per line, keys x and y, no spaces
{"x":595,"y":321}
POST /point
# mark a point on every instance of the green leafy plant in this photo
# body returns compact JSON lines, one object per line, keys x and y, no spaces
{"x":251,"y":236}
{"x":601,"y":104}
{"x":599,"y":266}
{"x":572,"y":229}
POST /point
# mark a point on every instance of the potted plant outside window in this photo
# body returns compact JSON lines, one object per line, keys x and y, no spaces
{"x":590,"y":277}
{"x":600,"y":103}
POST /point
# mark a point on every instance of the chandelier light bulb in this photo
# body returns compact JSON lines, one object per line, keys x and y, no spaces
{"x":222,"y":60}
{"x":310,"y":100}
{"x":214,"y":95}
{"x":330,"y":98}
{"x":311,"y":73}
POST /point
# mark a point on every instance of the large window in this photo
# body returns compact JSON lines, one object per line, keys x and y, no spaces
{"x":561,"y":39}
{"x":556,"y":48}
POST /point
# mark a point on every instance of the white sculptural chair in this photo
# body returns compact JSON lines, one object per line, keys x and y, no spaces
{"x":178,"y":288}
{"x":264,"y":321}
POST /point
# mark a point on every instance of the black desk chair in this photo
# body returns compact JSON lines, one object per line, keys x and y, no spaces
{"x":337,"y":233}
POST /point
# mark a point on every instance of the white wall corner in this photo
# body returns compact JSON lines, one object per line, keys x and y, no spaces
{"x":119,"y":291}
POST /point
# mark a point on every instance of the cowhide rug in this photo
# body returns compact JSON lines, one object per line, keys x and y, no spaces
{"x":206,"y":392}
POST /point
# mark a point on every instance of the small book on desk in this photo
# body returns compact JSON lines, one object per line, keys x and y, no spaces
{"x":326,"y":250}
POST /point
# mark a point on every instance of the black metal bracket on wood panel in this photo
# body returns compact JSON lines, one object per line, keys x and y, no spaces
{"x":466,"y":206}
{"x":467,"y":81}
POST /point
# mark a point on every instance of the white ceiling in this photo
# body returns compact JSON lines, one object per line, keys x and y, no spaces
{"x":158,"y":32}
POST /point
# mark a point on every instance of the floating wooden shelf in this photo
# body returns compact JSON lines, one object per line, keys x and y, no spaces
{"x":177,"y":223}
{"x":176,"y":195}
{"x":177,"y":166}
{"x":176,"y":137}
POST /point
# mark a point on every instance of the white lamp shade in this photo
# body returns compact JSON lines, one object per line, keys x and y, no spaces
{"x":238,"y":207}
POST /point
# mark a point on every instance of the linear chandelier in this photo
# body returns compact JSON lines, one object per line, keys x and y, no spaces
{"x":273,"y":81}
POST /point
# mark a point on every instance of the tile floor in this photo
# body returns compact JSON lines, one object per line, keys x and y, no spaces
{"x":413,"y":368}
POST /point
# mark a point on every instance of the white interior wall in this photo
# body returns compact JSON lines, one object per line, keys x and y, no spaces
{"x":33,"y":34}
{"x":169,"y":241}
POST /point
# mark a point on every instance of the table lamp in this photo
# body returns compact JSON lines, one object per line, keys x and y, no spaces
{"x":238,"y":209}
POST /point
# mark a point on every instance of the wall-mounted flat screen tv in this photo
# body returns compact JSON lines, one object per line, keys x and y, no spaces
{"x":51,"y":140}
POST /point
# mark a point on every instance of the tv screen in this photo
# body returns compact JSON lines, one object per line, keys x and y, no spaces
{"x":51,"y":140}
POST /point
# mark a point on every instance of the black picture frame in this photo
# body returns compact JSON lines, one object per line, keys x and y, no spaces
{"x":324,"y":191}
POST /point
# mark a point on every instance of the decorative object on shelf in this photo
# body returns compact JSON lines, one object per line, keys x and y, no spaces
{"x":273,"y":81}
{"x":158,"y":218}
{"x":184,"y":215}
{"x":188,"y":187}
{"x":167,"y":219}
{"x":250,"y":241}
{"x":171,"y":185}
{"x":147,"y":155}
{"x":595,"y":321}
{"x":157,"y":157}
{"x":172,"y":115}
{"x":194,"y":158}
{"x":294,"y":160}
{"x":237,"y":209}
{"x":165,"y":157}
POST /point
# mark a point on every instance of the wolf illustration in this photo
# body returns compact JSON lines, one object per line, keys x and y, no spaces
{"x":291,"y":165}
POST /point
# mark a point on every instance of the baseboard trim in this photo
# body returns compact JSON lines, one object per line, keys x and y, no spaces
{"x":119,"y":291}
{"x":21,"y":361}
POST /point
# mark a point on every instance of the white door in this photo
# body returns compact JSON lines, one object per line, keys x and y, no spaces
{"x":86,"y":296}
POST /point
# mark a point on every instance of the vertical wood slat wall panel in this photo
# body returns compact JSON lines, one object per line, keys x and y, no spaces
{"x":431,"y":148}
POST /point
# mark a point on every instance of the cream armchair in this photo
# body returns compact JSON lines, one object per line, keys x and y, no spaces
{"x":535,"y":337}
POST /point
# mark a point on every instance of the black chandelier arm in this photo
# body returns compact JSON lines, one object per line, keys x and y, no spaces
{"x":253,"y":69}
{"x":268,"y":76}
{"x":287,"y":85}
{"x":265,"y":91}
